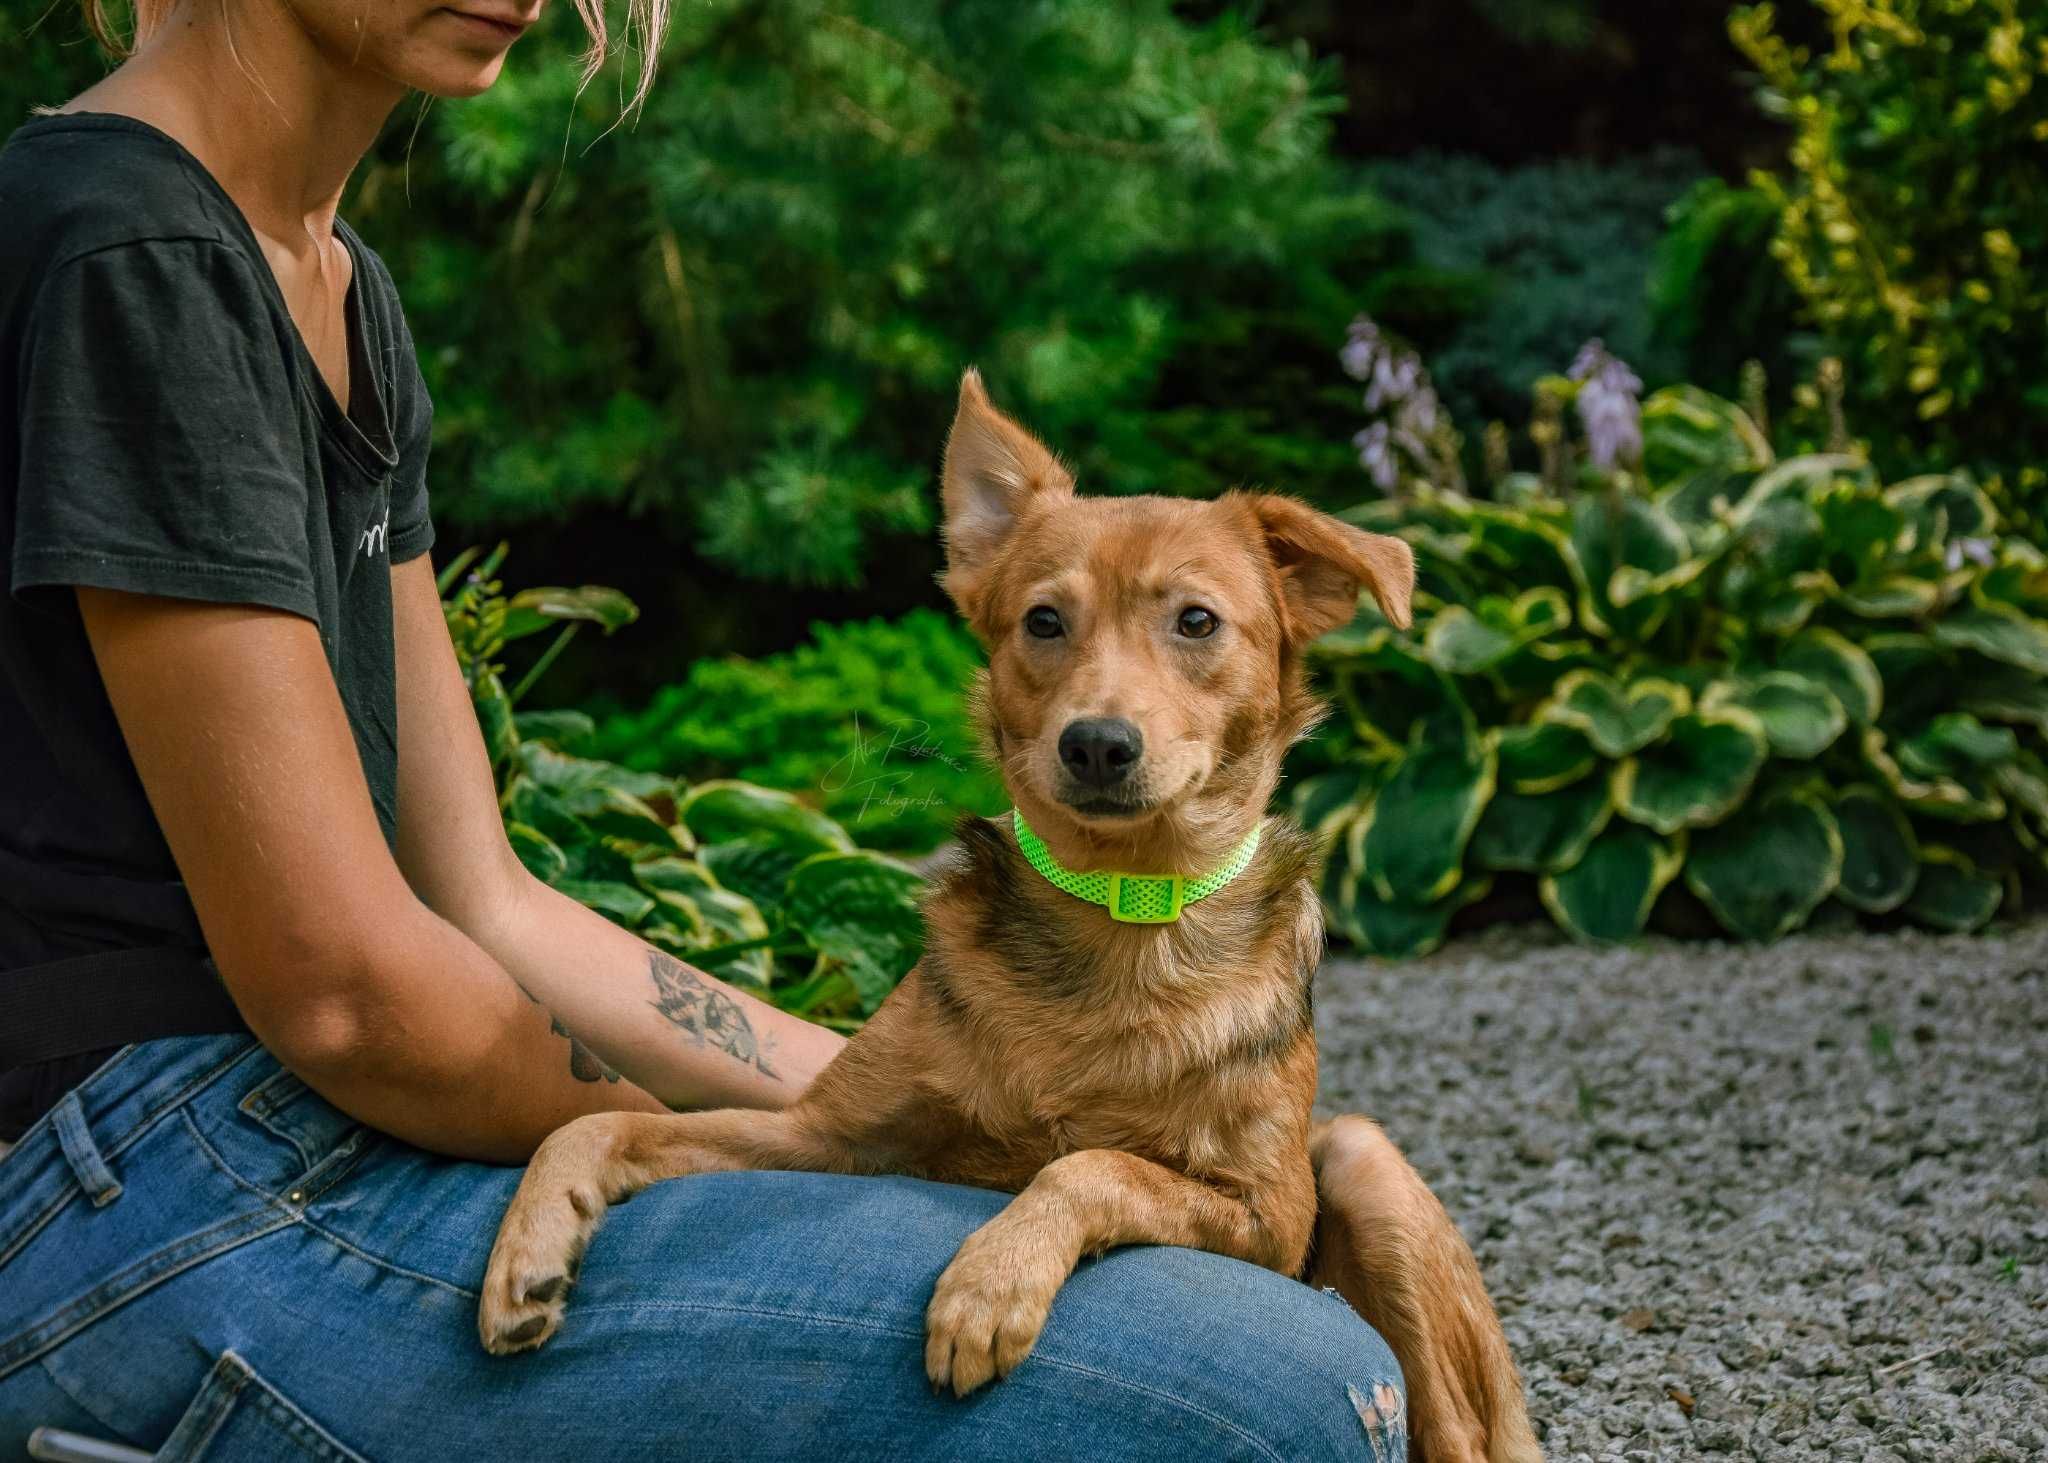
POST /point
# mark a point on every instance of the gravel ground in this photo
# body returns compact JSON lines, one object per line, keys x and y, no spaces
{"x":1749,"y":1203}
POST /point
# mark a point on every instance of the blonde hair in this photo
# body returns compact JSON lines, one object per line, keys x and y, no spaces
{"x":646,"y":22}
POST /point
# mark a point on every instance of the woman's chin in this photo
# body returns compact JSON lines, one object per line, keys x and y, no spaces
{"x":456,"y":77}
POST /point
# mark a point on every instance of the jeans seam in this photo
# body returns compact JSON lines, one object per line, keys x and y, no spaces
{"x":145,"y":1274}
{"x":51,"y":1210}
{"x":312,"y":1189}
{"x":389,"y":1265}
{"x":854,"y":1323}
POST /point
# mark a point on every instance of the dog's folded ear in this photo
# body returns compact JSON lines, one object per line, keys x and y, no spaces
{"x":1323,"y":561}
{"x":994,"y":472}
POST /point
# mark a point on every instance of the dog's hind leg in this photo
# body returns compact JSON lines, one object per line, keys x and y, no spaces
{"x":1384,"y":1242}
{"x":603,"y":1159}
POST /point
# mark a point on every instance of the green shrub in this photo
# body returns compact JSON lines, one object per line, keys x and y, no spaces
{"x":747,"y":882}
{"x":1762,"y":684}
{"x":745,"y":312}
{"x":1912,"y":222}
{"x":1550,"y":251}
{"x":868,"y":719}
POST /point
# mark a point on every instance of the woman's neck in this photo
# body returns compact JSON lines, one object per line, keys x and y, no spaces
{"x":277,"y":121}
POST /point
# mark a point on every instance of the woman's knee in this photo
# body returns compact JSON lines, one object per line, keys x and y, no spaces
{"x":1294,"y":1372}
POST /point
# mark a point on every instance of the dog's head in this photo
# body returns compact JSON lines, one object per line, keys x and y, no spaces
{"x":1145,"y":670}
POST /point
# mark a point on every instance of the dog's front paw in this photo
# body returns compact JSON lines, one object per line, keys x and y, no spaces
{"x":532,"y":1266}
{"x":987,"y":1310}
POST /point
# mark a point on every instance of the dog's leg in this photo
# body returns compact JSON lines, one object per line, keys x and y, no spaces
{"x":992,"y":1300}
{"x":1385,"y":1243}
{"x":600,"y":1160}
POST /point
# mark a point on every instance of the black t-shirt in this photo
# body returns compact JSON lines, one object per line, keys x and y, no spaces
{"x":164,"y":429}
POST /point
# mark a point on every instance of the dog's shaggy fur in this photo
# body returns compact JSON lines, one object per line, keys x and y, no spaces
{"x":1130,"y":1083}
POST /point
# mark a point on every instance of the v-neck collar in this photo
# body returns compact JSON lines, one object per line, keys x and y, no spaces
{"x":364,"y":435}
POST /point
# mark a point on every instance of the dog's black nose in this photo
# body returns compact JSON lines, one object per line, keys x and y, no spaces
{"x":1100,"y":750}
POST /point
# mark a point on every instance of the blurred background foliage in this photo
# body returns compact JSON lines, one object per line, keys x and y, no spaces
{"x":706,"y":355}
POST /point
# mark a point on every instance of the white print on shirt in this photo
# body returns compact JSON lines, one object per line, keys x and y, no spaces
{"x":375,"y":536}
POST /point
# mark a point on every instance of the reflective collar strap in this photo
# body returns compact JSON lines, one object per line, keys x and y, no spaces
{"x":1144,"y":899}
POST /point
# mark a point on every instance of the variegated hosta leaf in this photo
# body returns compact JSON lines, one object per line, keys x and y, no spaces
{"x":531,"y":610}
{"x":1800,"y":717}
{"x":1524,"y":546}
{"x":1607,"y":895}
{"x":1956,"y":745}
{"x":1466,"y":642}
{"x":1894,"y":597}
{"x":1880,"y":855}
{"x":618,"y":902}
{"x":1395,"y":929}
{"x":1685,"y":428}
{"x":560,"y":729}
{"x":719,"y":812}
{"x":1931,"y":796}
{"x":756,"y":867}
{"x":709,"y":914}
{"x":1616,"y":721}
{"x":860,"y":909}
{"x":1766,"y":868}
{"x":1695,"y":776}
{"x":603,"y":796}
{"x":1916,"y":675}
{"x":1544,"y":833}
{"x":2006,"y":694}
{"x":1613,"y":531}
{"x":1952,"y":893}
{"x":542,"y":856}
{"x":1840,"y":665}
{"x":1415,"y":842}
{"x":2001,"y":634}
{"x":1322,"y":802}
{"x":1394,"y":695}
{"x":1542,"y":756}
{"x":2018,"y":581}
{"x":1802,"y":478}
{"x":1941,"y":507}
{"x":1862,"y":531}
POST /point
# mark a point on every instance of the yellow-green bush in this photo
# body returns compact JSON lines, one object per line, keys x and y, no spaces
{"x":1914,"y":222}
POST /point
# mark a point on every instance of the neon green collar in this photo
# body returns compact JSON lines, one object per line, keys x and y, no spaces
{"x":1137,"y":899}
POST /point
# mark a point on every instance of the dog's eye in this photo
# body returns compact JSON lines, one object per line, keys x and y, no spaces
{"x":1197,"y":623}
{"x":1043,"y":622}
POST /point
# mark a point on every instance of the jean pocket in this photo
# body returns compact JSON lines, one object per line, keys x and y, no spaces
{"x":240,"y":1418}
{"x":285,"y":1107}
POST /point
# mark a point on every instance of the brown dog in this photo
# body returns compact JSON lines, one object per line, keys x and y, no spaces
{"x":1132,"y":1083}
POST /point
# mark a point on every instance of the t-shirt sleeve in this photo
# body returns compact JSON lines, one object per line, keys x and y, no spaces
{"x":412,"y":529}
{"x":161,"y":446}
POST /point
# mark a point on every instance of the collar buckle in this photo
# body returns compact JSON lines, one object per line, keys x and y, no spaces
{"x":1146,"y":899}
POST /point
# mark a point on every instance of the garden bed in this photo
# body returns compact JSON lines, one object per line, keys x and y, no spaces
{"x":1776,"y":1203}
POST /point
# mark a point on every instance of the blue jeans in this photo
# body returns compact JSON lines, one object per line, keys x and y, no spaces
{"x":201,"y":1256}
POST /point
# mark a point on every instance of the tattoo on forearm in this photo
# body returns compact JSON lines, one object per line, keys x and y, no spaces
{"x":705,"y":1014}
{"x":584,"y":1064}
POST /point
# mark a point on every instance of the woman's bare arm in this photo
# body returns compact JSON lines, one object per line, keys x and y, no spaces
{"x":388,"y":1010}
{"x":683,"y":1035}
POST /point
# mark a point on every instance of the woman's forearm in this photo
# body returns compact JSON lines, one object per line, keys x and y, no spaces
{"x":683,"y":1035}
{"x":423,"y":1035}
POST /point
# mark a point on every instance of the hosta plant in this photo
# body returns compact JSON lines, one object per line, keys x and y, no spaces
{"x":1703,"y":675}
{"x":747,"y":882}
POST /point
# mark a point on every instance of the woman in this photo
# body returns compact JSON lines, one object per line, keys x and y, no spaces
{"x":248,"y":1221}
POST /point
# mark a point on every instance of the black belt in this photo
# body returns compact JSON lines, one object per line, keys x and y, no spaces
{"x":110,"y":999}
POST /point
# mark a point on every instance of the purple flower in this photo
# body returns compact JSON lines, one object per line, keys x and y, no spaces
{"x":1608,"y":407}
{"x":1399,"y":393}
{"x":1376,"y":456}
{"x":1976,"y":550}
